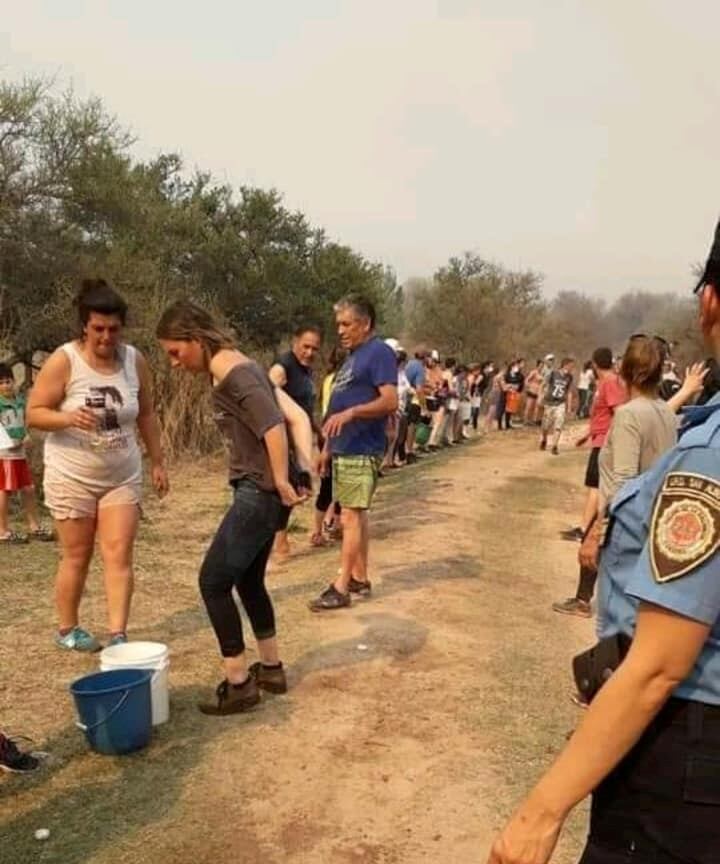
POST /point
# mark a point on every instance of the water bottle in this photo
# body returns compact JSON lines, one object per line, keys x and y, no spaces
{"x":95,"y":401}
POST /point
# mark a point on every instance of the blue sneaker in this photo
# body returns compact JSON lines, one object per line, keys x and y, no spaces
{"x":78,"y":640}
{"x":118,"y":639}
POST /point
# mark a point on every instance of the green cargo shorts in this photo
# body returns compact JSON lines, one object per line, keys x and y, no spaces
{"x":355,"y":480}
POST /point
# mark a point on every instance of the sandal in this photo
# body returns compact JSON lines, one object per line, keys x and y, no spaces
{"x":44,"y":535}
{"x":14,"y":538}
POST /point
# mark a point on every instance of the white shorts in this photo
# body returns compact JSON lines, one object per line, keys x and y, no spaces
{"x":69,"y":498}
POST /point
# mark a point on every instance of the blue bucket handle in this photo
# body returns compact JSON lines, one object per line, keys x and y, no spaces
{"x":123,"y":700}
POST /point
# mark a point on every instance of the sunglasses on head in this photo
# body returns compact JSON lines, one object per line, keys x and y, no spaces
{"x":661,"y":340}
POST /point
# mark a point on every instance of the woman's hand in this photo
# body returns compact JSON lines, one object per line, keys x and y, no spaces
{"x":288,"y":495}
{"x":694,"y":380}
{"x":160,"y":481}
{"x":529,"y":838}
{"x":82,"y":418}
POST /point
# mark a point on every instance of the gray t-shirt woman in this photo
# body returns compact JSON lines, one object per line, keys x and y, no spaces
{"x":642,"y":430}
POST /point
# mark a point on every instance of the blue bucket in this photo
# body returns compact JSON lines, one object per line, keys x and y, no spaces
{"x":115,"y":709}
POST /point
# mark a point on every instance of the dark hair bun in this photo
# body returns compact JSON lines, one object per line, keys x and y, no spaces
{"x":96,"y":295}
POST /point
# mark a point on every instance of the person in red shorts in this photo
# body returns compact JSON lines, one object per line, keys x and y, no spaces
{"x":15,"y":475}
{"x":610,"y":393}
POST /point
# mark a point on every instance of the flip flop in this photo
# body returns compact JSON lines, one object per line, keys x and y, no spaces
{"x":14,"y":538}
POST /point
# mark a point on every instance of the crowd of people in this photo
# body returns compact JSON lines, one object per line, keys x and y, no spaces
{"x":646,"y":748}
{"x":648,"y":536}
{"x":379,"y":410}
{"x":92,"y":400}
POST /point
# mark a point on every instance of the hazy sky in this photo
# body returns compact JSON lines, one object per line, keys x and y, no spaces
{"x":577,"y":138}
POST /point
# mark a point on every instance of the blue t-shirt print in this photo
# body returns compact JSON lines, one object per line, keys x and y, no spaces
{"x":368,"y":368}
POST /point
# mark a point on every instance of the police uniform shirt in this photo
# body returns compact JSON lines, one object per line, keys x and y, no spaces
{"x":663,"y":546}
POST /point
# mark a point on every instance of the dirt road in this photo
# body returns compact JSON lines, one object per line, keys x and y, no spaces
{"x":412,"y":750}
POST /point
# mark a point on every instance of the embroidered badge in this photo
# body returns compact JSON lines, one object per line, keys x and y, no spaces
{"x":685,"y":530}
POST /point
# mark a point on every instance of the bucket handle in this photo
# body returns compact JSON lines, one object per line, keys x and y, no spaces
{"x":122,"y":701}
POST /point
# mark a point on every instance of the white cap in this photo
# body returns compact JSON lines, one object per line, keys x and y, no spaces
{"x":394,"y":344}
{"x":434,"y":354}
{"x":549,"y":357}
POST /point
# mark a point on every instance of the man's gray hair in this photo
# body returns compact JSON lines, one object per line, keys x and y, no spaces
{"x":360,"y":305}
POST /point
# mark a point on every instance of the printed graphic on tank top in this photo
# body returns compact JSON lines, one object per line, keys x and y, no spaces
{"x":105,"y":402}
{"x":109,"y":455}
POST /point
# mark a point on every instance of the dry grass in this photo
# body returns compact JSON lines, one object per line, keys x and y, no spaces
{"x":411,"y":751}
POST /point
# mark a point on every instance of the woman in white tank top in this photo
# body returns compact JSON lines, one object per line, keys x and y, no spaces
{"x":92,"y":396}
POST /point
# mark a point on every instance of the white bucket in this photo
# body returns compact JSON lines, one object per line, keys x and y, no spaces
{"x":143,"y":655}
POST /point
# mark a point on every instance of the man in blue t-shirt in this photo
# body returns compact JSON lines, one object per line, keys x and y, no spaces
{"x":364,"y":394}
{"x":415,"y":373}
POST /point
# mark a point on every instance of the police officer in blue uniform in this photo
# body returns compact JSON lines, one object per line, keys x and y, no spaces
{"x":648,"y":748}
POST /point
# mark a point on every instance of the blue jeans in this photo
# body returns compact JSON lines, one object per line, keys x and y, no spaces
{"x":237,"y":558}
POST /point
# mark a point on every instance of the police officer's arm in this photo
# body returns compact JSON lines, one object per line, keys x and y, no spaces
{"x":675,"y":580}
{"x":664,"y":650}
{"x":278,"y":375}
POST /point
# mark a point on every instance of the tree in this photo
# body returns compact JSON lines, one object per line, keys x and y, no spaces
{"x":44,"y":143}
{"x":475,"y":309}
{"x":73,"y":202}
{"x":574,"y":325}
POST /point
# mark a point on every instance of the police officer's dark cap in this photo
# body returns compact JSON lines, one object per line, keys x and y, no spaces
{"x":711,"y":273}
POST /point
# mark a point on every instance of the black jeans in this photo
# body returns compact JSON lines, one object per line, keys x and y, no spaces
{"x":500,"y":410}
{"x":403,"y":430}
{"x":661,"y":805}
{"x":586,"y":584}
{"x":237,"y":558}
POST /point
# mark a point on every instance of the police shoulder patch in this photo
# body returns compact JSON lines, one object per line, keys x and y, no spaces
{"x":685,"y":530}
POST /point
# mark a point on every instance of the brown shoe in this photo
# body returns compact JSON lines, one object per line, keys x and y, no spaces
{"x":271,"y":679}
{"x":232,"y":698}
